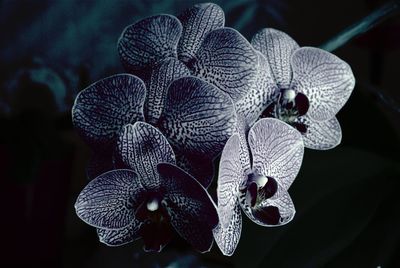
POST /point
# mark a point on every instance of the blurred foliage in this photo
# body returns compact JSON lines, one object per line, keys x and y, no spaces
{"x":76,"y":40}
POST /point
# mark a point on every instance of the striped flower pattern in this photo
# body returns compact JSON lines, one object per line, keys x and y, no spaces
{"x":195,"y":90}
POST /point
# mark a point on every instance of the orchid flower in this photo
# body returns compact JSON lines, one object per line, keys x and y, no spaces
{"x":151,"y":200}
{"x":200,"y":45}
{"x":194,"y":115}
{"x":216,"y":54}
{"x":304,"y":87}
{"x":255,"y":175}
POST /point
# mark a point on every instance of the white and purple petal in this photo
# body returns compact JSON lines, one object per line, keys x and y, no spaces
{"x":102,"y":109}
{"x":109,"y":201}
{"x":119,"y":237}
{"x":197,"y":117}
{"x":157,"y":85}
{"x":277,"y":150}
{"x":277,"y":47}
{"x":274,"y":211}
{"x":193,"y":213}
{"x":233,"y":168}
{"x":141,"y":147}
{"x":197,"y":22}
{"x":325,"y":79}
{"x":321,"y":135}
{"x":260,"y":95}
{"x":228,"y":61}
{"x":149,"y":41}
{"x":228,"y":238}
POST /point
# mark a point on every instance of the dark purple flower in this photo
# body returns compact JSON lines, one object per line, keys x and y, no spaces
{"x":151,"y":200}
{"x":216,"y":54}
{"x":194,"y":115}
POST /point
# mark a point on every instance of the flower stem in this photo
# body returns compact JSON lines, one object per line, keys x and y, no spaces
{"x":362,"y":26}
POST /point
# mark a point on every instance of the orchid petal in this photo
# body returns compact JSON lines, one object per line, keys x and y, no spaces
{"x":227,"y":238}
{"x":102,"y":109}
{"x":234,"y":163}
{"x":228,"y":61}
{"x":325,"y":79}
{"x":260,"y":94}
{"x":119,"y":237}
{"x":277,"y":47}
{"x":275,"y":211}
{"x":149,"y":41}
{"x":109,"y":201}
{"x":323,"y":135}
{"x":197,"y":117}
{"x":197,"y":22}
{"x":277,"y":150}
{"x":192,"y":211}
{"x":141,"y":147}
{"x":157,"y":85}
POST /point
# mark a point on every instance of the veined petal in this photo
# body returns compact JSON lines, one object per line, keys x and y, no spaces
{"x":277,"y":47}
{"x":323,"y":135}
{"x":227,"y":238}
{"x":197,"y":22}
{"x":119,"y":237}
{"x":228,"y":61}
{"x":234,"y":163}
{"x":325,"y":79}
{"x":141,"y":147}
{"x":102,"y":109}
{"x":260,"y":95}
{"x":149,"y":41}
{"x":277,"y":150}
{"x":157,"y":85}
{"x":197,"y":117}
{"x":192,"y":211}
{"x":275,"y":211}
{"x":109,"y":201}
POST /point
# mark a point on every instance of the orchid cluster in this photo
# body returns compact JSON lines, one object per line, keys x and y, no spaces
{"x":193,"y":89}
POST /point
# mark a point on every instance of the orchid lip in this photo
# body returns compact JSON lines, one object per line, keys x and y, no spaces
{"x":289,"y":106}
{"x":258,"y":188}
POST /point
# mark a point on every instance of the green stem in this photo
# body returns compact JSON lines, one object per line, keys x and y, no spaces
{"x":360,"y":27}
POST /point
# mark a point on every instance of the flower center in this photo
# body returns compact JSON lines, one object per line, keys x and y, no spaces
{"x":288,"y":106}
{"x":155,"y":230}
{"x":259,"y":188}
{"x":151,"y":209}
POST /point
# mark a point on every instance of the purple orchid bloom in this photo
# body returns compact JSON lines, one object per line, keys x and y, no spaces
{"x":216,"y":54}
{"x":304,"y":87}
{"x":194,"y":115}
{"x":151,"y":200}
{"x":199,"y":43}
{"x":255,"y":175}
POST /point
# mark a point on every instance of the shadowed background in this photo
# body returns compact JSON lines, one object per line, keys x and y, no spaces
{"x":348,"y":210}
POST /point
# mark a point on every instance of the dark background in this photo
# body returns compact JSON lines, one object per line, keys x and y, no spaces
{"x":347,"y":199}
